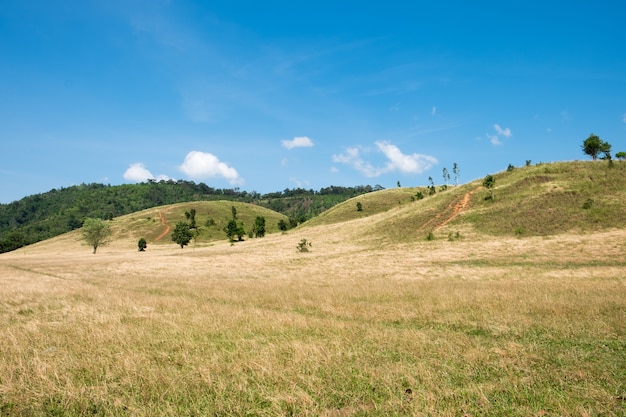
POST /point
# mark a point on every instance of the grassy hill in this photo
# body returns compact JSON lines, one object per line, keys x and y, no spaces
{"x":157,"y":224}
{"x":540,"y":200}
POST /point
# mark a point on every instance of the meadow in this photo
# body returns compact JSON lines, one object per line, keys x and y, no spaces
{"x":362,"y":324}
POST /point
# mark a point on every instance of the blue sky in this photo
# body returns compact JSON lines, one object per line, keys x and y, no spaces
{"x":281,"y":94}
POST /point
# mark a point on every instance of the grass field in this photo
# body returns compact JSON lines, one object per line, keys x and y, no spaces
{"x":476,"y":326}
{"x":373,"y":320}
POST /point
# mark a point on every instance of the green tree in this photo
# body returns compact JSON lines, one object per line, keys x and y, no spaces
{"x":182,"y":234}
{"x":234,"y":229}
{"x":259,"y":226}
{"x":191,"y":216}
{"x":283,"y":225}
{"x":489,"y":183}
{"x":620,"y":155}
{"x":96,"y":232}
{"x":457,"y":172}
{"x":446,"y":176}
{"x":142,"y":245}
{"x":594,"y":146}
{"x":359,"y":206}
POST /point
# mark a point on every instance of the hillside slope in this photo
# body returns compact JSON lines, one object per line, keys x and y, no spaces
{"x":544,"y":199}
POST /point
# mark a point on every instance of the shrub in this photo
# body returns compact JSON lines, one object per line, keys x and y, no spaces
{"x":430,"y":236}
{"x":588,"y":204}
{"x":304,"y":245}
{"x":142,"y":245}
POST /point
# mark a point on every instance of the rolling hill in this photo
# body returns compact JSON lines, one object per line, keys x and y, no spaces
{"x":540,"y":200}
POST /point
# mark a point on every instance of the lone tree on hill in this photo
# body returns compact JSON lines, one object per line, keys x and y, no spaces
{"x":182,"y":234}
{"x":593,"y":146}
{"x":142,"y":245}
{"x":96,"y":232}
{"x":620,"y":155}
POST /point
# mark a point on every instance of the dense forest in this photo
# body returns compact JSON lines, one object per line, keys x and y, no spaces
{"x":42,"y":216}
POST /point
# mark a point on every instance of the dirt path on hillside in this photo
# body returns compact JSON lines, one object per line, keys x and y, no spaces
{"x":167,"y":227}
{"x":456,"y":208}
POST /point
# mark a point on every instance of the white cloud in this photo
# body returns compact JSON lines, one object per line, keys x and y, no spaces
{"x":353,"y":158}
{"x":434,"y":111}
{"x":494,"y":139}
{"x":137,"y":172}
{"x":297,"y":142}
{"x":203,"y":165}
{"x":397,"y":161}
{"x":503,"y":132}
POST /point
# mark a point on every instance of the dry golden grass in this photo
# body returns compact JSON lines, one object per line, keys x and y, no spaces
{"x":477,"y":326}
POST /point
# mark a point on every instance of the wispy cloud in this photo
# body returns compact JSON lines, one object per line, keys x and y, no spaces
{"x":495,"y":139}
{"x":503,"y":132}
{"x":624,"y":118}
{"x":297,"y":142}
{"x":137,"y":172}
{"x":202,"y":165}
{"x":396,"y":161}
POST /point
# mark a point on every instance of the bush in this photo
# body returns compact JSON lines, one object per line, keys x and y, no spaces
{"x":588,"y":204}
{"x":142,"y":245}
{"x":304,"y":245}
{"x":430,"y":236}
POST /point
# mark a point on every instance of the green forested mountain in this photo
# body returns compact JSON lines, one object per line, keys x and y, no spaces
{"x":42,"y":216}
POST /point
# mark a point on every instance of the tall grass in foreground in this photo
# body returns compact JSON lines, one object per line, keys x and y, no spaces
{"x":435,"y":328}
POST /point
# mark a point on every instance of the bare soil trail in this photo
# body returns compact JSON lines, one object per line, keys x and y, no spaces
{"x":167,"y":228}
{"x":457,"y":207}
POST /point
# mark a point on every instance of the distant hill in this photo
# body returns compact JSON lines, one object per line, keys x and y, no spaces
{"x":540,"y":200}
{"x":50,"y":214}
{"x":156,"y":224}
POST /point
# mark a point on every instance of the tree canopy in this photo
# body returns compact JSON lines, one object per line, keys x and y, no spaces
{"x":96,"y":232}
{"x":182,"y":234}
{"x":594,"y":146}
